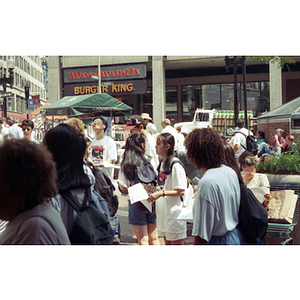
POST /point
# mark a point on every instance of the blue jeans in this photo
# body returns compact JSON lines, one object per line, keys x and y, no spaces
{"x":264,"y":148}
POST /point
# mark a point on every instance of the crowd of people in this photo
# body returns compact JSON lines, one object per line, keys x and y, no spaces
{"x":34,"y":176}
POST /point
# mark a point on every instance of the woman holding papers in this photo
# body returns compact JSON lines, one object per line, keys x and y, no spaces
{"x":172,"y":184}
{"x":254,"y":180}
{"x":140,"y":217}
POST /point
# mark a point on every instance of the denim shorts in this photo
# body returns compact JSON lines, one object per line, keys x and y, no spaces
{"x":140,"y":217}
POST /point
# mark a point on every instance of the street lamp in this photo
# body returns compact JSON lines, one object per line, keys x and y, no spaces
{"x":234,"y":62}
{"x":27,"y":87}
{"x":7,"y":80}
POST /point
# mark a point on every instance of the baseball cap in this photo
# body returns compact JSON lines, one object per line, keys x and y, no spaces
{"x":133,"y":121}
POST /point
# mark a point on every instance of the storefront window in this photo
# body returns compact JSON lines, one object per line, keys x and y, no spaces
{"x":171,"y":103}
{"x":147,"y":103}
{"x":211,"y":96}
{"x":263,"y":102}
{"x":191,"y":99}
{"x":227,"y":95}
{"x":253,"y":94}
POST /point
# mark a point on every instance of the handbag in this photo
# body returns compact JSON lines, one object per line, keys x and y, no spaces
{"x":253,"y":217}
{"x":282,"y":206}
{"x":184,"y":212}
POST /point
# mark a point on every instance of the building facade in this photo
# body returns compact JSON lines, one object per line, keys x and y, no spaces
{"x":26,"y":69}
{"x":174,"y":86}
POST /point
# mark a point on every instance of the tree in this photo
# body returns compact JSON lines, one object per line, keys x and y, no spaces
{"x":280,"y":60}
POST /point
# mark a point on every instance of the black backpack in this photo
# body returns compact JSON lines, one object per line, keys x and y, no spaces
{"x":253,"y":217}
{"x":251,"y":144}
{"x":105,"y":188}
{"x":90,"y":226}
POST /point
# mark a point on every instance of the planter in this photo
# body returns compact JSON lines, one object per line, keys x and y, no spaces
{"x":287,"y":178}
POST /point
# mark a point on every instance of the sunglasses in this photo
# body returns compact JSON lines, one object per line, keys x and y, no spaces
{"x":26,"y":129}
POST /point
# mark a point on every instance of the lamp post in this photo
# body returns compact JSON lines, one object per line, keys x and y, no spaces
{"x":7,"y":80}
{"x":234,"y":62}
{"x":27,"y":88}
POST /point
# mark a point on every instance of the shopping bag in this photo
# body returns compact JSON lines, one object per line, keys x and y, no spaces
{"x":184,"y":212}
{"x":282,"y":206}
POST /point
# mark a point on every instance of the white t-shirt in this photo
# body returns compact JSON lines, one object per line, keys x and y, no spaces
{"x":180,"y":142}
{"x":41,"y":225}
{"x":173,"y":131}
{"x":16,"y":132}
{"x":163,"y":205}
{"x":217,"y":203}
{"x":151,"y":151}
{"x":103,"y":150}
{"x":240,"y":139}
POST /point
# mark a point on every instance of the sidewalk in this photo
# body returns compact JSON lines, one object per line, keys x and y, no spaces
{"x":128,"y":236}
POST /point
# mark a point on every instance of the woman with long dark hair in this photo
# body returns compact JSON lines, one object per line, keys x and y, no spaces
{"x":68,"y":146}
{"x":173,"y":183}
{"x":142,"y":220}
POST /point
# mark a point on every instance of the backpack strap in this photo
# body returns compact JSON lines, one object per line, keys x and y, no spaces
{"x":68,"y":196}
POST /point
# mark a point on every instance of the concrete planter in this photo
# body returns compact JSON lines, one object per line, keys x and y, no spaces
{"x":288,"y":178}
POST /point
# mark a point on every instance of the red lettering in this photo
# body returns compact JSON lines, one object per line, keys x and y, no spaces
{"x":136,"y":72}
{"x":74,"y":75}
{"x":131,"y":71}
{"x":105,"y":74}
{"x":92,"y":74}
{"x":126,"y":72}
{"x":120,"y":72}
{"x":113,"y":73}
{"x":84,"y":75}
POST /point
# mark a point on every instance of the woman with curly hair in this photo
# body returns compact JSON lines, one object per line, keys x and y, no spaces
{"x":27,"y":182}
{"x":216,"y":206}
{"x":142,"y":220}
{"x":173,"y":183}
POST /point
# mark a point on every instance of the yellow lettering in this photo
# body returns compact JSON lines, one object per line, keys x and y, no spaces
{"x":81,"y":90}
{"x":87,"y":89}
{"x":114,"y":88}
{"x":76,"y":90}
{"x":129,"y":87}
{"x":104,"y":88}
{"x":93,"y":89}
{"x":123,"y":87}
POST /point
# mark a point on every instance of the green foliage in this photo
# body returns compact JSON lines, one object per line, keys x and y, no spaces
{"x":280,"y":60}
{"x":286,"y":163}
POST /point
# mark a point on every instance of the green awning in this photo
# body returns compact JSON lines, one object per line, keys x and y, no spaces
{"x":286,"y":110}
{"x":88,"y":106}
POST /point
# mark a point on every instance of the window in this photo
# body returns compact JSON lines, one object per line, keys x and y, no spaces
{"x":211,"y":96}
{"x":171,"y":103}
{"x":191,"y":99}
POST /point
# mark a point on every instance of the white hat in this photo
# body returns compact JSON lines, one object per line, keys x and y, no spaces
{"x":146,"y":116}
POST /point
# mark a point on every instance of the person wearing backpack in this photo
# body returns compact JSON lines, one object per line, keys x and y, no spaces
{"x":68,"y":146}
{"x":142,"y":220}
{"x":217,"y":203}
{"x":238,"y":142}
{"x":172,"y":185}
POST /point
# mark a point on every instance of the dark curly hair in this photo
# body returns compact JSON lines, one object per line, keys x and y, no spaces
{"x":27,"y":171}
{"x":205,"y":148}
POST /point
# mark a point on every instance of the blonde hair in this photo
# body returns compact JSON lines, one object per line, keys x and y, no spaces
{"x":290,"y":137}
{"x":77,"y":123}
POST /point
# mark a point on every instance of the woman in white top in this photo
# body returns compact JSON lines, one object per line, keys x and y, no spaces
{"x":172,"y":182}
{"x":252,"y":179}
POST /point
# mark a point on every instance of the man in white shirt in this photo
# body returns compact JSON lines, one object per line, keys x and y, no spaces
{"x":15,"y":131}
{"x":239,"y":140}
{"x":104,"y":149}
{"x":136,"y":124}
{"x":166,"y":125}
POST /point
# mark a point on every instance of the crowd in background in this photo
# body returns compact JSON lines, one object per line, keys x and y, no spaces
{"x":34,"y":176}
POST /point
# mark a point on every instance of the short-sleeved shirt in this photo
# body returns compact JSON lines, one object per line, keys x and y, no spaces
{"x":41,"y":225}
{"x":163,"y":205}
{"x":283,"y":144}
{"x":103,"y":150}
{"x":217,"y":203}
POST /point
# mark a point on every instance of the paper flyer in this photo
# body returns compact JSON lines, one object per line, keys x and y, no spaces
{"x":138,"y":193}
{"x":259,"y":192}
